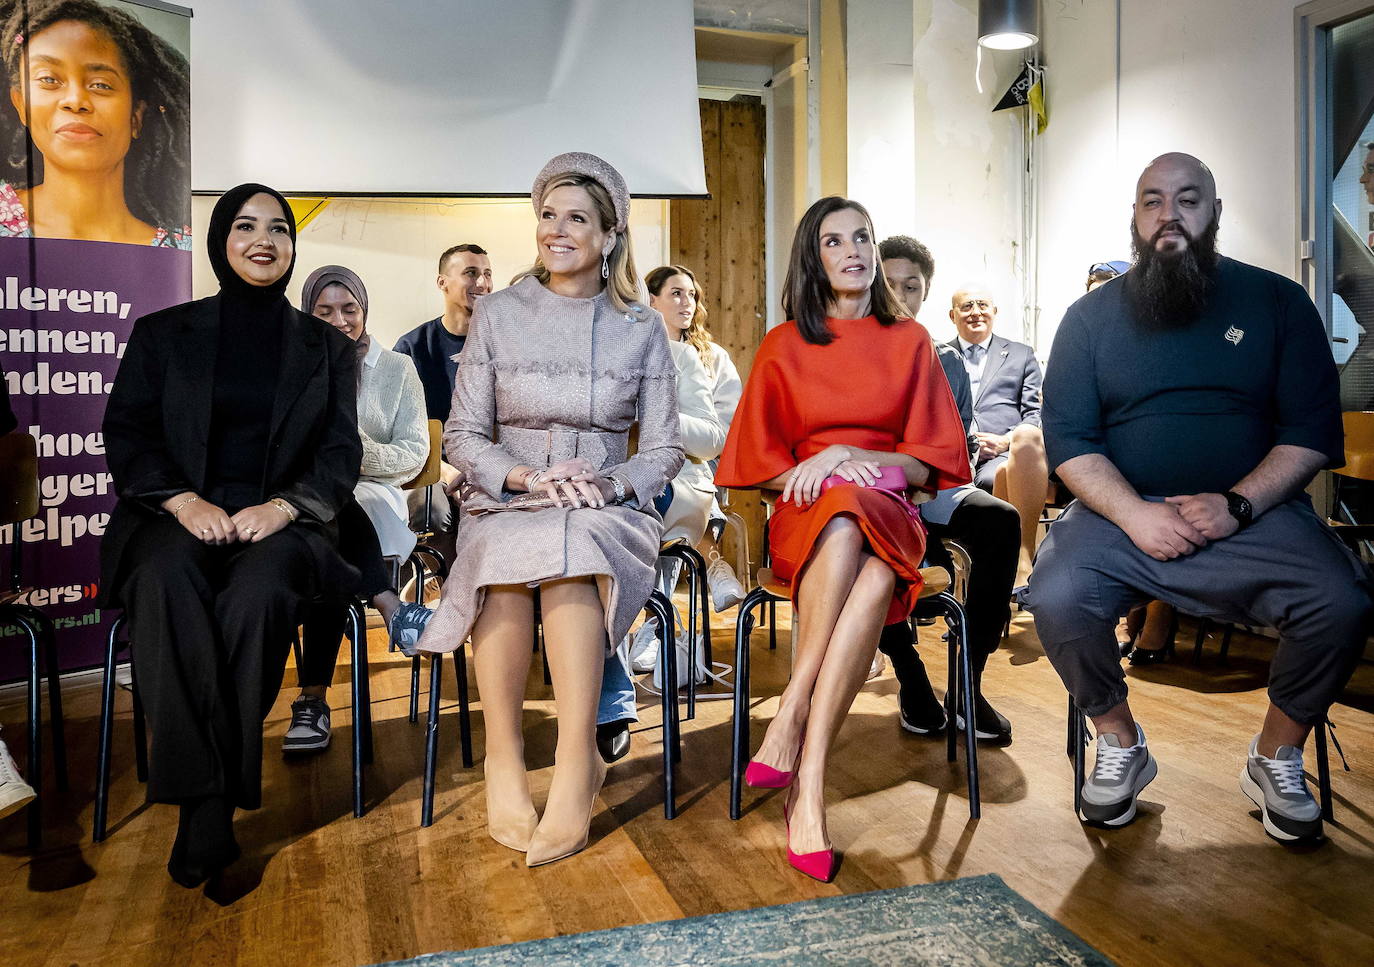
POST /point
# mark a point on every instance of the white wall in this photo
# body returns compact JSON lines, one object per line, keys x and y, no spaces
{"x":394,"y":246}
{"x":882,"y":113}
{"x":967,"y":163}
{"x":1215,"y":79}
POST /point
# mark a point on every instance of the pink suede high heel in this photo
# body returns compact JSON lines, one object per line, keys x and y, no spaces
{"x":760,"y":776}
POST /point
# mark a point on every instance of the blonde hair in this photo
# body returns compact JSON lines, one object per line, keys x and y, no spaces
{"x":622,"y":287}
{"x":696,"y":334}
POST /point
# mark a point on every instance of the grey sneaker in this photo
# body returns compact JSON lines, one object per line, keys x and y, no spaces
{"x":1118,"y":776}
{"x":15,"y":793}
{"x":726,"y":591}
{"x":309,"y":731}
{"x":1279,"y":788}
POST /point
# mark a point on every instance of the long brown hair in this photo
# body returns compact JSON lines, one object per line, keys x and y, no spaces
{"x":623,"y":285}
{"x":806,"y":294}
{"x":696,"y":334}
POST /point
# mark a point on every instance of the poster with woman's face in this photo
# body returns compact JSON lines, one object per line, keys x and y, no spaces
{"x":95,"y":199}
{"x":95,"y":127}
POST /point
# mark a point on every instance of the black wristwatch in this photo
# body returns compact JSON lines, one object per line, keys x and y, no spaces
{"x":1239,"y":508}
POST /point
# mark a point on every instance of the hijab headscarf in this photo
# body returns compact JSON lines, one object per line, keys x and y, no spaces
{"x":327,"y":275}
{"x":242,"y":304}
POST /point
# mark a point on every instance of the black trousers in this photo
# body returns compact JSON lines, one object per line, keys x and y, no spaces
{"x":323,"y":621}
{"x":990,"y":530}
{"x":210,"y":628}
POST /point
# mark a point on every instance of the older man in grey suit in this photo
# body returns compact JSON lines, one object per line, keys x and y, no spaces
{"x":1005,"y":381}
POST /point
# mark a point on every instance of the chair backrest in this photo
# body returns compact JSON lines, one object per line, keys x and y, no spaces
{"x":18,"y":477}
{"x":429,"y":473}
{"x":1359,"y":445}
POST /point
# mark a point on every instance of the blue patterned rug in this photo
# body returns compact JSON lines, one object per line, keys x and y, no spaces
{"x":974,"y":921}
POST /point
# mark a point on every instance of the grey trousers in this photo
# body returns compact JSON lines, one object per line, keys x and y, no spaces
{"x":1286,"y":571}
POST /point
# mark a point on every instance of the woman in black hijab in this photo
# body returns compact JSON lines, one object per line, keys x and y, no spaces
{"x":232,"y":437}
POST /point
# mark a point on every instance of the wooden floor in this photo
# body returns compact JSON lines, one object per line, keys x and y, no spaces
{"x":1193,"y":881}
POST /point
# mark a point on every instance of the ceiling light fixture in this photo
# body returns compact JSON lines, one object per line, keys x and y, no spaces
{"x":1008,"y":24}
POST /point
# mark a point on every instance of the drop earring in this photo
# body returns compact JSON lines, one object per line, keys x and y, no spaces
{"x":605,"y":268}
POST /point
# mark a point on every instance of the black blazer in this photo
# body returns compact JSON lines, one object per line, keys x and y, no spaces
{"x":157,"y":428}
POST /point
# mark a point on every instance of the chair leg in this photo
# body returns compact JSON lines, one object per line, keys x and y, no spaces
{"x":659,"y":606}
{"x":102,"y":775}
{"x":356,"y":696}
{"x":773,"y":624}
{"x":1226,"y":643}
{"x":35,"y":763}
{"x":1080,"y":740}
{"x":951,"y":692}
{"x":739,"y":724}
{"x":418,"y":569}
{"x":1203,"y":626}
{"x":436,"y":668}
{"x":363,"y":668}
{"x":1324,"y":774}
{"x":460,"y":674}
{"x":59,"y":730}
{"x":959,"y":631}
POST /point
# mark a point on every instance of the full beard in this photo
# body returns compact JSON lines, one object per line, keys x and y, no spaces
{"x":1169,"y":290}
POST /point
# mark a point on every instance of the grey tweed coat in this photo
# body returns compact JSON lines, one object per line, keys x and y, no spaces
{"x":542,"y":378}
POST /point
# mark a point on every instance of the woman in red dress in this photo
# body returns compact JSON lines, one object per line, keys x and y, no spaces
{"x":848,"y":386}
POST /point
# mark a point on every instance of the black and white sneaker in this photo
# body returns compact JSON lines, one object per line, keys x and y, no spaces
{"x":989,"y":725}
{"x":1118,"y":775}
{"x":1279,"y":788}
{"x":309,"y":731}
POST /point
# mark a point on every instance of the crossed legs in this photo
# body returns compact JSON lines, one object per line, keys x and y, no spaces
{"x":575,"y":633}
{"x":842,"y":598}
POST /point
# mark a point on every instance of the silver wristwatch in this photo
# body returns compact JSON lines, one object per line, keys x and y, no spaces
{"x":620,"y":495}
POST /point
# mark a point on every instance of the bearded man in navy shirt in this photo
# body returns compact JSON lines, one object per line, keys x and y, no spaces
{"x":1186,"y":405}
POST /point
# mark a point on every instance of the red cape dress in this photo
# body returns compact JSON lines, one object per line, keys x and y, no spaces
{"x":874,"y":387}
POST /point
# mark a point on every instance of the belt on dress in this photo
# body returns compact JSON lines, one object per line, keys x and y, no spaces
{"x":602,"y":448}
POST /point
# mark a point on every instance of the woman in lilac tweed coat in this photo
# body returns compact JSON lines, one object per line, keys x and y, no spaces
{"x":555,"y":371}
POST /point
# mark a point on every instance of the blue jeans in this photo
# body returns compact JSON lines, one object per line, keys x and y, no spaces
{"x":617,"y":692}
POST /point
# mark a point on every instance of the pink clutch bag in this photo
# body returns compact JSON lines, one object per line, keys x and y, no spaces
{"x":889,"y":478}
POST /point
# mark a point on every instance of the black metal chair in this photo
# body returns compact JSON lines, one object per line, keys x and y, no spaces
{"x":659,"y":607}
{"x":362,"y":717}
{"x":699,"y":594}
{"x":935,"y":599}
{"x":18,"y":503}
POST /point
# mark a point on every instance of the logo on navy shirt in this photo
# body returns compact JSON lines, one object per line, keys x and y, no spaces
{"x":1234,"y":335}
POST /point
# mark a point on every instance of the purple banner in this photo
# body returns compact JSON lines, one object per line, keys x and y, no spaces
{"x":66,"y":310}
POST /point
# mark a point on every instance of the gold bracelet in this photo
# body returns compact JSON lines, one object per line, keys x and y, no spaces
{"x":182,"y":506}
{"x":285,"y":508}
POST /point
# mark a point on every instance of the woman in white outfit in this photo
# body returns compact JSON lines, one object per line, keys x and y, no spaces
{"x":374,"y":527}
{"x":708,"y":390}
{"x":676,"y":294}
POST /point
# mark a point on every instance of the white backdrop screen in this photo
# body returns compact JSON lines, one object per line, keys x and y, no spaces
{"x":464,"y":97}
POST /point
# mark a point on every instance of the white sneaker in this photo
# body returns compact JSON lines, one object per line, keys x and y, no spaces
{"x":726,"y":591}
{"x":644,"y":648}
{"x":15,"y":793}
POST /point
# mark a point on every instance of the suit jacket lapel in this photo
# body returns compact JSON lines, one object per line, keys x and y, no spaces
{"x":996,"y":356}
{"x":302,"y":353}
